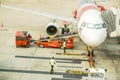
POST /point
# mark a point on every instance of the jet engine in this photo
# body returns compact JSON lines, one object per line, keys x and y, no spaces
{"x":52,"y":29}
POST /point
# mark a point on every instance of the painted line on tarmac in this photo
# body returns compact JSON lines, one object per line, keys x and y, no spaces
{"x":85,"y":73}
{"x":71,"y":54}
{"x":64,"y":79}
{"x":48,"y":58}
{"x":30,"y":71}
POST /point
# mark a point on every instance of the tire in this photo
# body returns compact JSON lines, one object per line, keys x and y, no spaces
{"x":93,"y":53}
{"x":41,"y":46}
{"x":17,"y":46}
{"x":27,"y":46}
{"x":63,"y":30}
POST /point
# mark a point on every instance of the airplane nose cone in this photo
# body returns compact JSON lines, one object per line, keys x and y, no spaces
{"x":94,"y":38}
{"x":97,"y":38}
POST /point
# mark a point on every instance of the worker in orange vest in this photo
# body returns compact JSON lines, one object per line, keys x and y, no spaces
{"x":2,"y":25}
{"x":101,"y":8}
{"x":28,"y":40}
{"x":75,"y":14}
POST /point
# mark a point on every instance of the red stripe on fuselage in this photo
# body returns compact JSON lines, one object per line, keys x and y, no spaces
{"x":84,"y":9}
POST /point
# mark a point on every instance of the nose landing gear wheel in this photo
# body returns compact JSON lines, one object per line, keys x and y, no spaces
{"x":41,"y":46}
{"x":91,"y":52}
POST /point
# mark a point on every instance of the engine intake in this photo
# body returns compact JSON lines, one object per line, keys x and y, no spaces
{"x":52,"y":29}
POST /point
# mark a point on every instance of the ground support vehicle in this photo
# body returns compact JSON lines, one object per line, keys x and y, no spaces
{"x":96,"y":74}
{"x":91,"y":73}
{"x":55,"y":43}
{"x":21,"y":39}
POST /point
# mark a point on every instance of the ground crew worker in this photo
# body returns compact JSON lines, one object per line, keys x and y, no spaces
{"x":52,"y":63}
{"x":64,"y":46}
{"x":75,"y":14}
{"x":66,"y":24}
{"x":2,"y":25}
{"x":28,"y":40}
{"x":101,"y":8}
{"x":0,"y":3}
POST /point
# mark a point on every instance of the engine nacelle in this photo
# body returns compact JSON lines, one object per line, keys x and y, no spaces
{"x":52,"y":29}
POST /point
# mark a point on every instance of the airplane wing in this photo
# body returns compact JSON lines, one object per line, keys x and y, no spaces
{"x":70,"y":20}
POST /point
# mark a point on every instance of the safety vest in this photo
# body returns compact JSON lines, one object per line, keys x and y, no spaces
{"x":64,"y":44}
{"x":52,"y":62}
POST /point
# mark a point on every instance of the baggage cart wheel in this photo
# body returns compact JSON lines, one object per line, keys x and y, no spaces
{"x":17,"y":46}
{"x":41,"y":46}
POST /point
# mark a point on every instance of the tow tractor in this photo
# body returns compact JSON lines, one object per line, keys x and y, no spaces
{"x":54,"y":43}
{"x":96,"y":74}
{"x":92,"y":72}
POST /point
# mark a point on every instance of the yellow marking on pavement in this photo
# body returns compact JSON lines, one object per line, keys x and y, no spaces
{"x":77,"y":72}
{"x":69,"y":54}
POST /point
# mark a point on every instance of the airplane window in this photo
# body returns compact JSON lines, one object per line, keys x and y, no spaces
{"x":104,"y":26}
{"x":90,"y":25}
{"x":83,"y":24}
{"x":93,"y":26}
{"x":99,"y":26}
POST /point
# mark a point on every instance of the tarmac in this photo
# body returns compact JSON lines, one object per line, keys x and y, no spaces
{"x":33,"y":63}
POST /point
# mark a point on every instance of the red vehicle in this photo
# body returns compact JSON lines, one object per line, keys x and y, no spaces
{"x":21,"y":38}
{"x":57,"y":43}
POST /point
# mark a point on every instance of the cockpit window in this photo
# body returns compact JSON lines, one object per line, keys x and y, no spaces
{"x":83,"y":24}
{"x":93,"y":26}
{"x":99,"y":26}
{"x":90,"y":26}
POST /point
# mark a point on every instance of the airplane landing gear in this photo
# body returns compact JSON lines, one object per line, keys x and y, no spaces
{"x":90,"y":51}
{"x":91,"y":61}
{"x":65,"y":31}
{"x":91,"y":55}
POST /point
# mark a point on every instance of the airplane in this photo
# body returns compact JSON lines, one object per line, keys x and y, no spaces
{"x":91,"y":27}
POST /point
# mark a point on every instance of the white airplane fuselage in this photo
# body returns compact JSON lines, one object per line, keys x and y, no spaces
{"x":91,"y":27}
